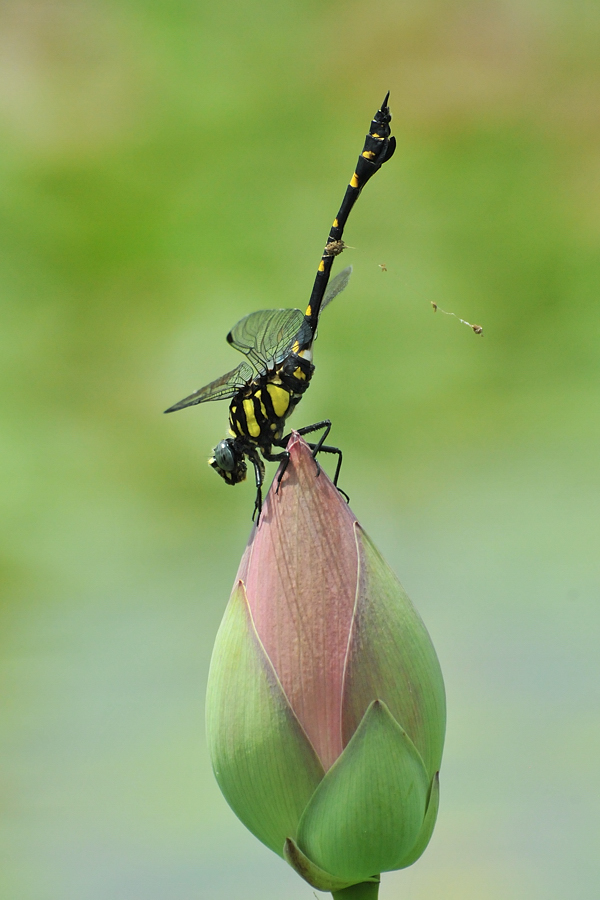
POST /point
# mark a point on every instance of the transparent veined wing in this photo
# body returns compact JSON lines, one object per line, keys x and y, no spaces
{"x":222,"y":388}
{"x":266,"y":336}
{"x":336,"y":286}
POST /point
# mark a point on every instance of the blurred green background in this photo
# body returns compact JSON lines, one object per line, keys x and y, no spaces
{"x":167,"y":167}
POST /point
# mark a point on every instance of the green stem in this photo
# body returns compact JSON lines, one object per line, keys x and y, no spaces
{"x":367,"y":890}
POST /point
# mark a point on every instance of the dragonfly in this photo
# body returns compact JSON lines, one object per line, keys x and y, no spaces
{"x":267,"y":386}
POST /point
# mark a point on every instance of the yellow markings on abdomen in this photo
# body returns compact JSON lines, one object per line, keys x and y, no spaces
{"x":298,"y":373}
{"x":321,"y":266}
{"x":251,"y":423}
{"x":368,"y":154}
{"x":336,"y":224}
{"x":280,"y":399}
{"x":354,"y":181}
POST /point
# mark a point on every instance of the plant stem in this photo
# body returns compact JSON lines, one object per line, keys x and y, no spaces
{"x":367,"y":890}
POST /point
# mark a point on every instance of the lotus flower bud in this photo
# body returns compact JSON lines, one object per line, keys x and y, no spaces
{"x":325,"y":707}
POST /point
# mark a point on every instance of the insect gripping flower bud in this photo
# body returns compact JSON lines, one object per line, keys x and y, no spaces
{"x":325,"y":708}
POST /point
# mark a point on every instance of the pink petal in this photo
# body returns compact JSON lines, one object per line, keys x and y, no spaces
{"x":300,"y":571}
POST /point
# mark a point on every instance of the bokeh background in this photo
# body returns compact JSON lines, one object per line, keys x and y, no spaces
{"x":167,"y":167}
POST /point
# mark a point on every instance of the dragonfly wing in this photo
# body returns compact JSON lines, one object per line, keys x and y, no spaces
{"x":266,"y":336}
{"x":221,"y":389}
{"x":336,"y":286}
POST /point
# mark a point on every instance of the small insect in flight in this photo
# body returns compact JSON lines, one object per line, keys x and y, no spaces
{"x":278,"y":345}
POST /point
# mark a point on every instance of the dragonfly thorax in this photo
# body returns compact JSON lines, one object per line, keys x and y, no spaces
{"x":258,"y":411}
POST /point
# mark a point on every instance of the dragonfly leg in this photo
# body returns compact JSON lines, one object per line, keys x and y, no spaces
{"x":316,"y":448}
{"x":259,"y":476}
{"x":283,"y":458}
{"x":308,"y":429}
{"x":325,"y":448}
{"x":321,"y":447}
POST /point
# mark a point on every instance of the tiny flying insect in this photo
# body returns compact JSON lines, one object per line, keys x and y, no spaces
{"x":278,"y":345}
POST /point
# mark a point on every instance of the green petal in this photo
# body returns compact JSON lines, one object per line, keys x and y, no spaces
{"x":262,"y":759}
{"x":428,"y":824}
{"x":367,"y":813}
{"x":391,"y":657}
{"x":315,"y":876}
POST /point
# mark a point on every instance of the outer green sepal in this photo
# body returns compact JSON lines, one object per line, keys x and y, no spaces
{"x":262,"y":759}
{"x":391,"y":657}
{"x":428,"y":825}
{"x":315,"y":876}
{"x":367,"y":813}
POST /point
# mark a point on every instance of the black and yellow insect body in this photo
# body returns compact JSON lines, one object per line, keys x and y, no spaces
{"x":278,"y":343}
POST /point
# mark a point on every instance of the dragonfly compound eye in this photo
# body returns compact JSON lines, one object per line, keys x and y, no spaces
{"x":229,"y":461}
{"x":224,"y":456}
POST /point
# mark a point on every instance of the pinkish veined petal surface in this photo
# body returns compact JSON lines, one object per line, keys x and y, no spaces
{"x":301,"y":571}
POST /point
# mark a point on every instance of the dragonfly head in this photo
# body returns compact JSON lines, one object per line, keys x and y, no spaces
{"x":229,"y":461}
